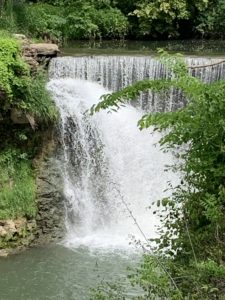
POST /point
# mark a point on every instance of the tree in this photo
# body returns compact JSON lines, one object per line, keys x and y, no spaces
{"x":210,"y":22}
{"x":192,"y":239}
{"x":163,"y":17}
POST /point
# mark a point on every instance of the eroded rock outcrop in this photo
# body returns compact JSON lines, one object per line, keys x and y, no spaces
{"x":40,"y":54}
{"x":16,"y":235}
{"x":45,"y":49}
{"x":50,"y":198}
{"x":37,"y":54}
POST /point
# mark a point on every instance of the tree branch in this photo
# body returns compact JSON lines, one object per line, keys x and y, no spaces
{"x":205,"y":66}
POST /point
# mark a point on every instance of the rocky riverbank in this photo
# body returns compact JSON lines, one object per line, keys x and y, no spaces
{"x":16,"y":235}
{"x":19,"y":233}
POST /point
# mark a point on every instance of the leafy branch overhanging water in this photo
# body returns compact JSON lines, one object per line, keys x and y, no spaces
{"x":195,"y":257}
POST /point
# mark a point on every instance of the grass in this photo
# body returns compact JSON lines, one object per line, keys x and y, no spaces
{"x":17,"y":186}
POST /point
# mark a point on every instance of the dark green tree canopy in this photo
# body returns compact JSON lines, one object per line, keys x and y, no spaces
{"x":142,"y":19}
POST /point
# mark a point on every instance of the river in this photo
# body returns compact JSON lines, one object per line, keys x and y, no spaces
{"x":56,"y":272}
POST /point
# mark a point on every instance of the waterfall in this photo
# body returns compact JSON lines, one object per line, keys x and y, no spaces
{"x":107,"y":163}
{"x":116,"y":72}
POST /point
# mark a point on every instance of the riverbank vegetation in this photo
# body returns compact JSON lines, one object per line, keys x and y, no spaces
{"x":21,"y":95}
{"x":17,"y":181}
{"x":191,"y":245}
{"x":64,"y":20}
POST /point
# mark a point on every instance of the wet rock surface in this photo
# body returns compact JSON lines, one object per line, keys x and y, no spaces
{"x":50,"y":217}
{"x":50,"y":198}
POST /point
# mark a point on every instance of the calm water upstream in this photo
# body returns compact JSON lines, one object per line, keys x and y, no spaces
{"x":187,"y":47}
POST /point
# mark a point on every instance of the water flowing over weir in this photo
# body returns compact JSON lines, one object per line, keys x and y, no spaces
{"x":106,"y":160}
{"x":116,"y":72}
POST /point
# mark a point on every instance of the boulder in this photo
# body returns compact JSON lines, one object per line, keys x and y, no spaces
{"x":29,"y":52}
{"x":44,"y":49}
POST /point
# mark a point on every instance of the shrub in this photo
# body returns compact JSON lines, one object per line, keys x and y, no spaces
{"x":80,"y":25}
{"x":18,"y":88}
{"x":211,"y":21}
{"x":13,"y":71}
{"x":111,"y":23}
{"x":74,"y":20}
{"x":41,"y":20}
{"x":89,"y":22}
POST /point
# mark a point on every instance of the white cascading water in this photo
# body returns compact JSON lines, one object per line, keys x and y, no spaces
{"x":107,"y":163}
{"x":116,"y":72}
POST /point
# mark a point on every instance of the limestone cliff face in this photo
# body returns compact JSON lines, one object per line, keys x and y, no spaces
{"x":50,"y":198}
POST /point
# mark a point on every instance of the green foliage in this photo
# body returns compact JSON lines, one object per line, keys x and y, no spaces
{"x":71,"y":20}
{"x":211,"y":21}
{"x":111,"y":23}
{"x":157,"y":18}
{"x":193,"y":218}
{"x":19,"y":143}
{"x":153,"y":281}
{"x":88,"y":19}
{"x":108,"y":291}
{"x":95,"y":20}
{"x":17,"y":87}
{"x":7,"y":18}
{"x":38,"y":101}
{"x":17,"y":185}
{"x":40,"y":20}
{"x":193,"y":281}
{"x":13,"y":70}
{"x":81,"y":25}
